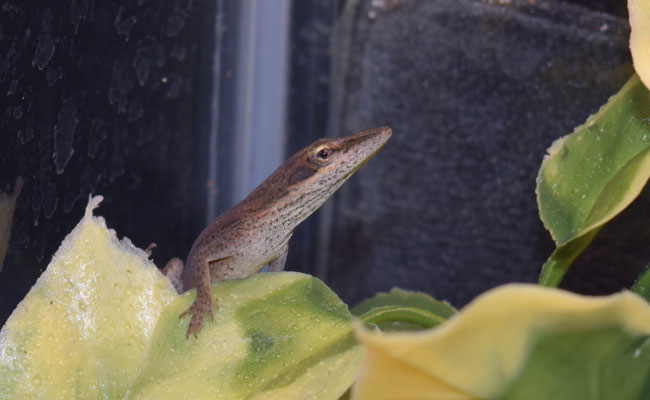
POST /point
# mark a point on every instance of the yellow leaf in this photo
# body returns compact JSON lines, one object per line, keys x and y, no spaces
{"x":640,"y":38}
{"x":278,"y":336}
{"x":83,"y":330}
{"x":481,"y":351}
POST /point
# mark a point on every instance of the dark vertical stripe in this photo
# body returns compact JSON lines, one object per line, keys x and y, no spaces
{"x":301,"y":173}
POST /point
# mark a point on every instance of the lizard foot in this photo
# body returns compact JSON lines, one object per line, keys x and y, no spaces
{"x":201,"y":307}
{"x":149,"y":249}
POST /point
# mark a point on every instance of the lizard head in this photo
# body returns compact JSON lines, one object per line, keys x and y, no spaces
{"x":327,"y":163}
{"x":313,"y":174}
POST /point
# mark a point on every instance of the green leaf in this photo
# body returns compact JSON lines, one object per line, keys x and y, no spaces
{"x":403,"y":310}
{"x":103,"y":323}
{"x":591,"y":175}
{"x":606,"y":363}
{"x":560,"y":261}
{"x":389,"y":318}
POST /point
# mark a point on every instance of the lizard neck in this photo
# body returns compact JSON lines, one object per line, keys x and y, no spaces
{"x":273,"y":207}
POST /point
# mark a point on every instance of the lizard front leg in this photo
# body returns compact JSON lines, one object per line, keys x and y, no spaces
{"x":203,"y":305}
{"x":277,"y":265}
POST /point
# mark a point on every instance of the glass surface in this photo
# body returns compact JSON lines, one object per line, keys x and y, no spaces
{"x":133,"y":100}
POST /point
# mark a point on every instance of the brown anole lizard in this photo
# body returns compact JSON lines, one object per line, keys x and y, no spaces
{"x":256,"y":231}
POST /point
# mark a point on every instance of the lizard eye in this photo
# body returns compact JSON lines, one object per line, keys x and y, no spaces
{"x":324,"y":153}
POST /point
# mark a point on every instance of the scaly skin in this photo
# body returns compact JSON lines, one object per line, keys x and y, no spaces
{"x":256,"y":231}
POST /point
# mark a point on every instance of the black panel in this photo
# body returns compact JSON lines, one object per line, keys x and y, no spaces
{"x":103,"y":97}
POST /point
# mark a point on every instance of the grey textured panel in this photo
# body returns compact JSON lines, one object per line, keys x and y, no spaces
{"x":475,"y":92}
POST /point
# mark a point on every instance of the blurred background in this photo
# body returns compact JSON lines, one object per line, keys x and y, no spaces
{"x":174,"y":111}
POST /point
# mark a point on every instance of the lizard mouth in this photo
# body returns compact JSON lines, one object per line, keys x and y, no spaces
{"x":374,"y":139}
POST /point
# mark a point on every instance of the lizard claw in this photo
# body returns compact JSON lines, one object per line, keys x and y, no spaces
{"x":199,"y":309}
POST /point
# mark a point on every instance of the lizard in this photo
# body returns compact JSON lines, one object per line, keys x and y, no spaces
{"x":256,"y":231}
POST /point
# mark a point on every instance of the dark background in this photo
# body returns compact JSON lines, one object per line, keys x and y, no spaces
{"x":118,"y":98}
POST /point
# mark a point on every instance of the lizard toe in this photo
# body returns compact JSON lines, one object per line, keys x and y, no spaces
{"x":199,"y":310}
{"x":196,"y":323}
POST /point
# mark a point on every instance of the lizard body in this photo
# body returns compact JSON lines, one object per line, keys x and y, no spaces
{"x":256,"y":231}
